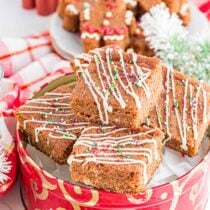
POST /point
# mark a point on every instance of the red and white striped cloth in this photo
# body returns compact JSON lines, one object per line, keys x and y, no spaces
{"x":29,"y":63}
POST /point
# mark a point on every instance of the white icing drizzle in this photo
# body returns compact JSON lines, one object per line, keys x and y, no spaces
{"x":158,"y":116}
{"x":205,"y":105}
{"x":71,"y":8}
{"x":129,"y":89}
{"x":86,"y":14}
{"x":167,"y":104}
{"x":102,"y":134}
{"x":59,"y":128}
{"x":114,"y":37}
{"x":65,"y":134}
{"x":47,"y":103}
{"x":182,"y":126}
{"x":70,"y":137}
{"x":182,"y":121}
{"x":76,"y":125}
{"x":184,"y":8}
{"x":128,"y":17}
{"x":57,"y":94}
{"x":86,"y":35}
{"x":110,"y":76}
{"x":44,"y":107}
{"x":51,"y":99}
{"x":85,"y":57}
{"x":46,"y":113}
{"x":116,"y":150}
{"x":194,"y":110}
{"x":184,"y":118}
{"x":142,"y":76}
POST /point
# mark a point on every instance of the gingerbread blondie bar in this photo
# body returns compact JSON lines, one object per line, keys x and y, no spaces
{"x":115,"y":87}
{"x":183,"y":112}
{"x":48,"y":123}
{"x":116,"y":159}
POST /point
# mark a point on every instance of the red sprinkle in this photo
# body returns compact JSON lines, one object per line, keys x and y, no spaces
{"x":111,"y":5}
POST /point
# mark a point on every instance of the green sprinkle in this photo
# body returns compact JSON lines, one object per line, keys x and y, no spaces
{"x":176,"y":104}
{"x":82,"y":75}
{"x":94,"y":144}
{"x":183,"y":83}
{"x":118,"y":149}
{"x":115,"y":70}
{"x":137,"y":85}
{"x":159,"y":114}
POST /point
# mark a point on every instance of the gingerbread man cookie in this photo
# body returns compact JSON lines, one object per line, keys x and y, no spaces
{"x":107,"y":22}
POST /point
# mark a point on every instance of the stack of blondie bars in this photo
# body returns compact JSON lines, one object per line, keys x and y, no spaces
{"x":112,"y":126}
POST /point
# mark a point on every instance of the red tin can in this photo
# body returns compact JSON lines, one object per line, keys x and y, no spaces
{"x":46,"y":7}
{"x":43,"y":7}
{"x":28,"y":4}
{"x":40,"y":190}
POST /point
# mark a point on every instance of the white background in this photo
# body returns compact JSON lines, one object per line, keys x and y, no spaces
{"x":14,"y":21}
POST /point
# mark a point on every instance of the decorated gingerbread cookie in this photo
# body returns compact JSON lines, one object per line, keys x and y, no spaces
{"x":70,"y":10}
{"x":104,"y":22}
{"x":107,"y":22}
